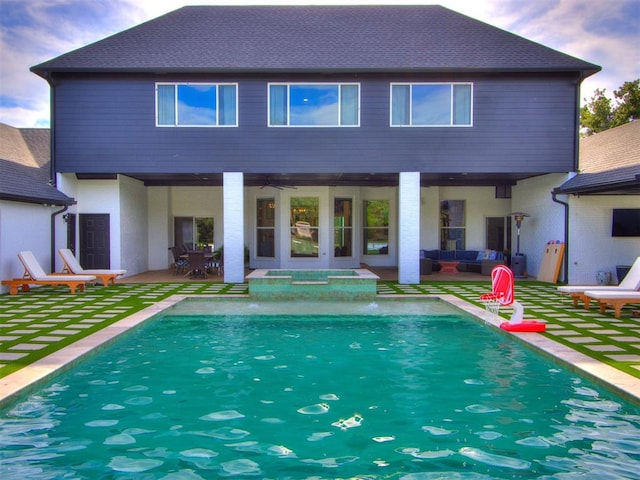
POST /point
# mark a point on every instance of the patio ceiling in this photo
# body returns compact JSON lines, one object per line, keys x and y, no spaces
{"x":289,"y":180}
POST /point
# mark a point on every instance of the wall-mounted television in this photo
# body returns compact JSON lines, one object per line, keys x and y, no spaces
{"x":625,"y":222}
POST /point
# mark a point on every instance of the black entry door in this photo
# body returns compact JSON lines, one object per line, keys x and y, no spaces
{"x":94,"y":240}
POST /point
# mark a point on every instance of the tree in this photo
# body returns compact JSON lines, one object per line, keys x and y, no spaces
{"x":599,"y":114}
{"x":628,"y":109}
{"x":596,"y":115}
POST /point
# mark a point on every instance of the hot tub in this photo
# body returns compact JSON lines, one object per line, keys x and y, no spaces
{"x":289,"y":284}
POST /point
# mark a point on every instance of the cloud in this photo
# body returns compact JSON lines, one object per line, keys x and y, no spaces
{"x":38,"y":30}
{"x":605,"y":32}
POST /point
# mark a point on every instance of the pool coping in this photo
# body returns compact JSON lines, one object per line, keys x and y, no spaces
{"x":30,"y":377}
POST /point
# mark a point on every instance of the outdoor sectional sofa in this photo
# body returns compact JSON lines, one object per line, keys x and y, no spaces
{"x":478,"y":261}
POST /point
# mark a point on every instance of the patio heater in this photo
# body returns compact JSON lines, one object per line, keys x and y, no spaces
{"x":518,"y":261}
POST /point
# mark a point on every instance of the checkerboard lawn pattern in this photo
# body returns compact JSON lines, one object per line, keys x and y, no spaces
{"x":34,"y":324}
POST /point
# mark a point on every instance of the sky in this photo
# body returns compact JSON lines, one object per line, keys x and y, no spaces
{"x":603,"y":32}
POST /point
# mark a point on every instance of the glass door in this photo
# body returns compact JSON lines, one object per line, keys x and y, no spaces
{"x":306,"y":234}
{"x":304,"y":223}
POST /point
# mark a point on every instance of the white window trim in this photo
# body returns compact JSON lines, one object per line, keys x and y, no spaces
{"x":411,"y":84}
{"x":175,"y":99}
{"x":289,"y":84}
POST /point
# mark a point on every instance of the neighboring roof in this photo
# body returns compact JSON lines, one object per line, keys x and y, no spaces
{"x":314,"y":38}
{"x":24,"y":167}
{"x":609,"y":163}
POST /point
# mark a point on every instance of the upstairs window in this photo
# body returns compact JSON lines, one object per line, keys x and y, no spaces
{"x":196,"y":105}
{"x":314,"y":105}
{"x":431,"y":104}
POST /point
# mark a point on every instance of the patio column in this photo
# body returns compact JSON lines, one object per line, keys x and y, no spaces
{"x":233,"y":210}
{"x":409,"y":227}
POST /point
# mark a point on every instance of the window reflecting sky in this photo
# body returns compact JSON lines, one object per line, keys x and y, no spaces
{"x":196,"y":104}
{"x":313,"y":104}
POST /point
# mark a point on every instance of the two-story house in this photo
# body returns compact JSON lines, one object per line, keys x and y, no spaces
{"x":314,"y":137}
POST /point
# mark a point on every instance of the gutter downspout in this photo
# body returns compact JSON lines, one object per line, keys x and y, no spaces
{"x":565,"y":260}
{"x":576,"y":168}
{"x":52,"y":166}
{"x":576,"y":140}
{"x":53,"y":236}
{"x":52,"y":137}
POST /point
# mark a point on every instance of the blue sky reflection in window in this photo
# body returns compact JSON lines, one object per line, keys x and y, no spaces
{"x":196,"y":105}
{"x":309,"y":105}
{"x":432,"y":104}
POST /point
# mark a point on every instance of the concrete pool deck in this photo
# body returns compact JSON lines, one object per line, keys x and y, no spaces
{"x":596,"y":333}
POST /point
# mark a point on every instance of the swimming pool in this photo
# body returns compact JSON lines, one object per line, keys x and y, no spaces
{"x":370,"y":394}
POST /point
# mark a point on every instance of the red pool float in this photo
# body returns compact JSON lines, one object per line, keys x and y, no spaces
{"x":524,"y":326}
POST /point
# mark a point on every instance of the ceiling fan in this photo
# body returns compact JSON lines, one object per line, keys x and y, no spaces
{"x":279,"y":186}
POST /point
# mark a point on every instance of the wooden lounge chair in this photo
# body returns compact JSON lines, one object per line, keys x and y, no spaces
{"x":71,"y":265}
{"x":617,"y":300}
{"x":630,"y":283}
{"x":35,"y":275}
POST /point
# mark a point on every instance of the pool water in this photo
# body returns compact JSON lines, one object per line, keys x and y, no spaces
{"x":293,"y":397}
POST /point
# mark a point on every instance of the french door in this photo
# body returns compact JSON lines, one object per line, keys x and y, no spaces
{"x":305,"y":241}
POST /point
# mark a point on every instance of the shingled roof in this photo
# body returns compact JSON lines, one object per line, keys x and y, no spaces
{"x":426,"y":38}
{"x":24,"y":163}
{"x":609,"y":163}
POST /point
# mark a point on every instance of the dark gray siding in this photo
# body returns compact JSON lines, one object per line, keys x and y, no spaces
{"x":522,"y":124}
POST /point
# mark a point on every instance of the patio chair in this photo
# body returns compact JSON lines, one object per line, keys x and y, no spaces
{"x":215,"y":263}
{"x":180,"y":264}
{"x":35,"y":275}
{"x":617,"y":300}
{"x":197,"y":265}
{"x":71,"y":265}
{"x":630,"y":283}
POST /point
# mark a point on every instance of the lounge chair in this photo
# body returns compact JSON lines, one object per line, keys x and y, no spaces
{"x":35,"y":275}
{"x":71,"y":265}
{"x":630,"y":283}
{"x":617,"y":300}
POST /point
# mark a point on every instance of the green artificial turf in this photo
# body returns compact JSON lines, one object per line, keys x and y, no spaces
{"x":37,"y":323}
{"x":44,"y":320}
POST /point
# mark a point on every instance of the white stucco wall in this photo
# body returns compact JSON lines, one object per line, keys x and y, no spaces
{"x":591,"y":246}
{"x":409,"y":227}
{"x":480,"y":203}
{"x":160,"y":228}
{"x":24,"y":226}
{"x":546,"y":221}
{"x":131,"y":239}
{"x":103,"y":197}
{"x":198,"y":202}
{"x":233,"y":204}
{"x":429,"y":218}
